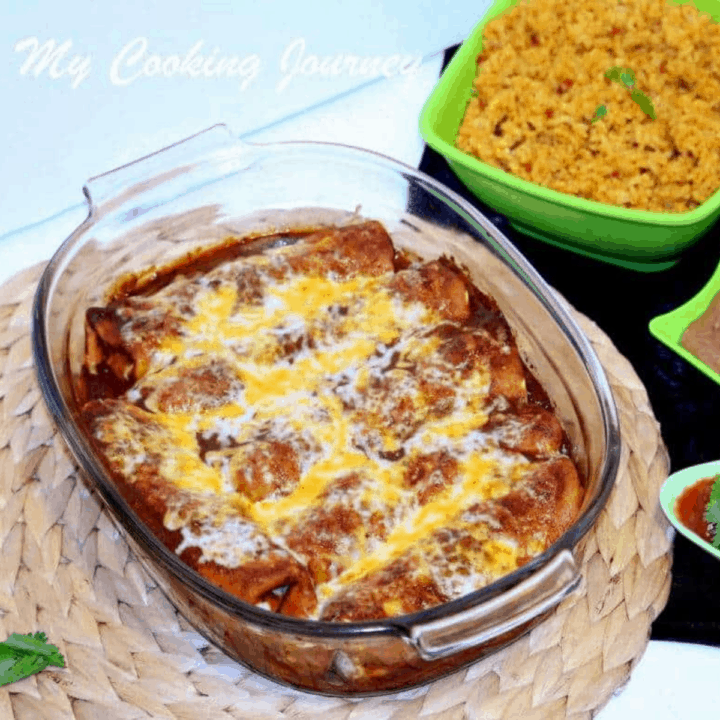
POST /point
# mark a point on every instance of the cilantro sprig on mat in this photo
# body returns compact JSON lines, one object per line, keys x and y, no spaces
{"x":25,"y":655}
{"x":626,"y":77}
{"x":712,"y":512}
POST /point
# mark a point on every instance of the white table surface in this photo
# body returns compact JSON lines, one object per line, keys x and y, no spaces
{"x":673,"y":680}
{"x":88,"y":85}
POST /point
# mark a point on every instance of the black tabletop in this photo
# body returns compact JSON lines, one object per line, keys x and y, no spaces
{"x":686,"y":402}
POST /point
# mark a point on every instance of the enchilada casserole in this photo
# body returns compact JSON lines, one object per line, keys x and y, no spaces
{"x":324,"y":426}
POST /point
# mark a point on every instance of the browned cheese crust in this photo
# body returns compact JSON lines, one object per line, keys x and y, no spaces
{"x":328,"y":428}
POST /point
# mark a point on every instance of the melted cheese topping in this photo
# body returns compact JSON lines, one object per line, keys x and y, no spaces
{"x":342,"y":372}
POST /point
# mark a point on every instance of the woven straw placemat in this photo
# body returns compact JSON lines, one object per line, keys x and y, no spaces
{"x":65,"y":570}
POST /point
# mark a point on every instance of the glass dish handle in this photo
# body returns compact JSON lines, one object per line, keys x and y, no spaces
{"x":216,"y":149}
{"x":539,"y":593}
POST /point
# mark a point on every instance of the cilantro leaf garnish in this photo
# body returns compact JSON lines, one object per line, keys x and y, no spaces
{"x":599,"y":113}
{"x":712,"y":512}
{"x":644,"y":102}
{"x":626,"y":77}
{"x":25,"y":655}
{"x":715,"y":491}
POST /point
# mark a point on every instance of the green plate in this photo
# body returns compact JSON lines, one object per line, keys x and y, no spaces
{"x":673,"y":487}
{"x":669,"y":328}
{"x":636,"y":239}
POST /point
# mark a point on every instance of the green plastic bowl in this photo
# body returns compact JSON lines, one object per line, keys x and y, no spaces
{"x":672,"y":489}
{"x":669,"y":328}
{"x":637,"y":239}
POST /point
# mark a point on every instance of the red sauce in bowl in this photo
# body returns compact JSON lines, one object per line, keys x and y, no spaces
{"x":691,"y":505}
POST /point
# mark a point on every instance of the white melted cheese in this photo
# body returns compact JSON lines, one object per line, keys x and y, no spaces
{"x":335,"y":368}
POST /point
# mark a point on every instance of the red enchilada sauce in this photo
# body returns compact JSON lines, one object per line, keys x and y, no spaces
{"x":691,"y":506}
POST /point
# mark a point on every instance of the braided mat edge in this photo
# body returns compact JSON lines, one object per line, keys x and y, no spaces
{"x":65,"y":570}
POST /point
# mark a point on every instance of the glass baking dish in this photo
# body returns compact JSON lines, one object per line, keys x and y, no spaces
{"x":210,"y":186}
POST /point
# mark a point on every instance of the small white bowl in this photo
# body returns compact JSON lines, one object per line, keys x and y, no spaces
{"x":672,"y":489}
